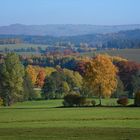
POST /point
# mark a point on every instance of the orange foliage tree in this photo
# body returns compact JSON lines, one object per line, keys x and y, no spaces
{"x":38,"y":74}
{"x":100,"y":76}
{"x":40,"y":78}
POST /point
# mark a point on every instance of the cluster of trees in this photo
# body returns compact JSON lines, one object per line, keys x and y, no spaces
{"x":100,"y":76}
{"x":61,"y":82}
{"x":68,"y":62}
{"x":15,"y":83}
{"x":123,"y":39}
{"x":54,"y":82}
{"x":128,"y":76}
{"x":38,"y":74}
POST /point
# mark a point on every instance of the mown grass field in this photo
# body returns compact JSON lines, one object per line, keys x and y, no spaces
{"x":46,"y":120}
{"x":130,"y":54}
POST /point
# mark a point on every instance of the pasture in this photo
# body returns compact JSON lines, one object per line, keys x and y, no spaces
{"x":20,"y":46}
{"x":130,"y":54}
{"x":46,"y":120}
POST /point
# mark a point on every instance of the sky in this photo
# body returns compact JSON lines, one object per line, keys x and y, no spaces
{"x":95,"y":12}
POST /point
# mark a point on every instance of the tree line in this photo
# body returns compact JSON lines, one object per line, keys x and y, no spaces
{"x":100,"y":76}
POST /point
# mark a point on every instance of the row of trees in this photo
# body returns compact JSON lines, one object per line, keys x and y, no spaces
{"x":68,"y":62}
{"x":100,"y":76}
{"x":128,"y":75}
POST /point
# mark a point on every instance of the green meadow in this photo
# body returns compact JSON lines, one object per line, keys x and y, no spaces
{"x":48,"y":120}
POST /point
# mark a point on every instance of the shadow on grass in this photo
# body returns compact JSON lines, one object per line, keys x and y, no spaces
{"x":97,"y":106}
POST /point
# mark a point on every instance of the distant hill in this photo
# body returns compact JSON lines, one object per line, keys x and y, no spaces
{"x":63,"y":30}
{"x":122,"y":39}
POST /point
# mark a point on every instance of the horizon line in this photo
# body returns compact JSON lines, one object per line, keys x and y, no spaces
{"x":70,"y":24}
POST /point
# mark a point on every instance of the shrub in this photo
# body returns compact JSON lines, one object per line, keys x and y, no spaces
{"x":87,"y":103}
{"x":74,"y":99}
{"x":122,"y":101}
{"x":93,"y":102}
{"x":137,"y":99}
{"x":1,"y":101}
{"x":82,"y":101}
{"x":65,"y":104}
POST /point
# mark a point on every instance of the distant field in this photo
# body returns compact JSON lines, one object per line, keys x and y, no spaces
{"x":20,"y":46}
{"x":43,"y":120}
{"x":130,"y":54}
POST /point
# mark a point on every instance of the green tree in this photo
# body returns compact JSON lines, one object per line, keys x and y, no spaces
{"x":66,"y":87}
{"x":29,"y":93}
{"x":137,"y":98}
{"x":53,"y":86}
{"x":136,"y":82}
{"x":120,"y":89}
{"x":74,"y":79}
{"x":11,"y":85}
{"x":61,"y":82}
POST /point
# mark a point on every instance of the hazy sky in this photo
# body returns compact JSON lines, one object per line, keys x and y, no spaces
{"x":97,"y":12}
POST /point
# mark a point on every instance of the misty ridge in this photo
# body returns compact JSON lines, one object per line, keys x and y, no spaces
{"x":63,"y":29}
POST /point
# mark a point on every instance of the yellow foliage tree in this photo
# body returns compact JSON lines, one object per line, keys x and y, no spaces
{"x":49,"y":70}
{"x":100,"y":76}
{"x":32,"y":73}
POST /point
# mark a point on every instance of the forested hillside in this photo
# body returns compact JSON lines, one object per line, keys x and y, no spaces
{"x":122,"y":39}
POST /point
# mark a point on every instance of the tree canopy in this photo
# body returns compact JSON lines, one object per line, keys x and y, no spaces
{"x":100,"y":76}
{"x":11,"y":83}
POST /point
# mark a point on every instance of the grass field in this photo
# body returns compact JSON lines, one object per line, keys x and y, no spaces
{"x":44,"y":120}
{"x":130,"y":54}
{"x":20,"y":46}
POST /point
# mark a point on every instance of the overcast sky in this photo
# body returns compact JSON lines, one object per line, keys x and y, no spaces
{"x":96,"y":12}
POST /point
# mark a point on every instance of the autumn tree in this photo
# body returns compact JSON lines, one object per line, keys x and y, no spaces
{"x":136,"y":82}
{"x":40,"y":78}
{"x":32,"y":73}
{"x":38,"y":74}
{"x":100,"y":76}
{"x":129,"y":74}
{"x":49,"y":70}
{"x":81,"y":65}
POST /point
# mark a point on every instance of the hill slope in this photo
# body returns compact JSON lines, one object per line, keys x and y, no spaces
{"x":63,"y":30}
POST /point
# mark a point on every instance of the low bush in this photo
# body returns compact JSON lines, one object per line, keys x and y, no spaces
{"x":137,"y":99}
{"x":82,"y":101}
{"x":123,"y":101}
{"x":1,"y":101}
{"x":93,"y":102}
{"x":74,"y":99}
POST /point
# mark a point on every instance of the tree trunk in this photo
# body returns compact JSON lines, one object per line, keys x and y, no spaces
{"x":100,"y":100}
{"x":100,"y":96}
